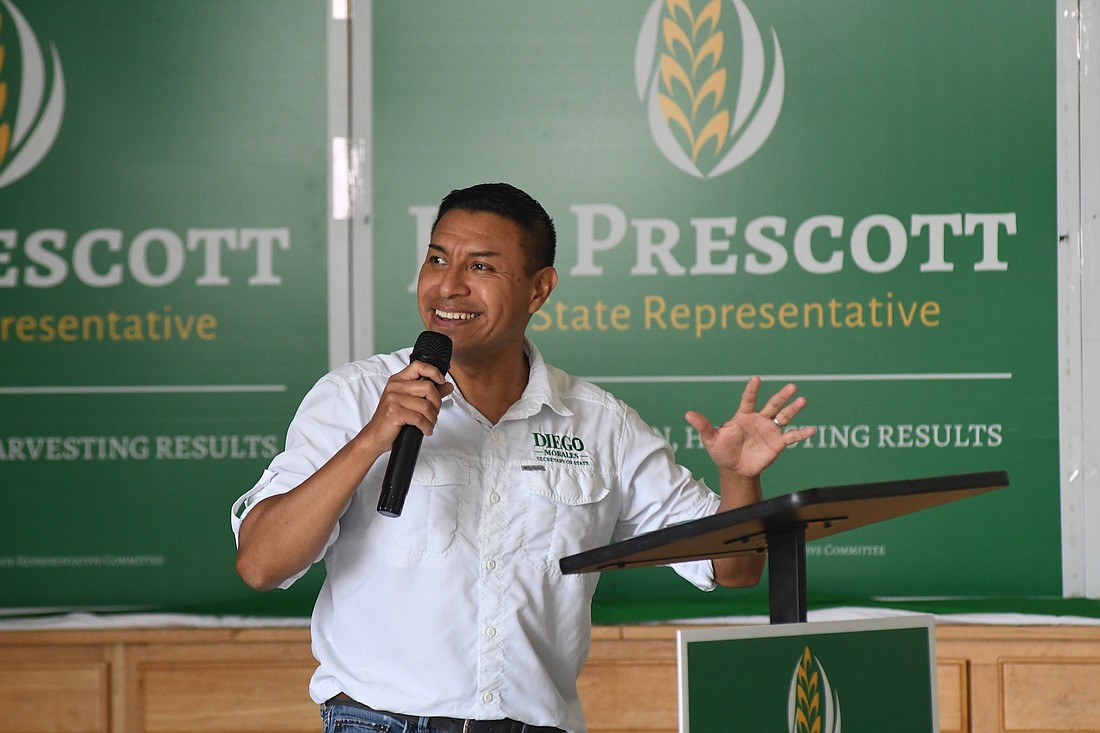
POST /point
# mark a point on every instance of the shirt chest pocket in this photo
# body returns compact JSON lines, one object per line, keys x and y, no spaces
{"x":428,"y":522}
{"x":566,"y":510}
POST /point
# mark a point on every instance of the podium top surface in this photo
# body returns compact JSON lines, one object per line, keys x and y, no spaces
{"x":820,"y":512}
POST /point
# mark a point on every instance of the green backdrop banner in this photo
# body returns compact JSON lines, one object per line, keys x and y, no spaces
{"x":859,"y":198}
{"x":162,"y":296}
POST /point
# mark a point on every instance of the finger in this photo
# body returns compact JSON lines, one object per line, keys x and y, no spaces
{"x":390,"y":417}
{"x":788,"y":413}
{"x":420,"y":370}
{"x":748,"y":397}
{"x":702,"y":425}
{"x":797,"y":435}
{"x":413,"y":402}
{"x":422,"y":389}
{"x":776,"y":403}
{"x":419,"y":412}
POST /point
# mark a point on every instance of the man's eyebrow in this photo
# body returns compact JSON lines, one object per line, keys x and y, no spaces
{"x":480,"y":254}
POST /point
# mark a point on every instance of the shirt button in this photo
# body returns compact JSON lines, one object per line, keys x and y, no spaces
{"x":490,"y":632}
{"x":487,"y":697}
{"x":494,"y":435}
{"x":491,"y":564}
{"x":494,"y":498}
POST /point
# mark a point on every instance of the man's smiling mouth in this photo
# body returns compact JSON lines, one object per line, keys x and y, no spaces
{"x":455,"y":316}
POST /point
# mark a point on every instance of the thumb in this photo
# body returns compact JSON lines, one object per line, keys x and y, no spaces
{"x":701,"y":424}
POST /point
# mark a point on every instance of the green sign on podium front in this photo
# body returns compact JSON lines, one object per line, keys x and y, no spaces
{"x":863,"y":676}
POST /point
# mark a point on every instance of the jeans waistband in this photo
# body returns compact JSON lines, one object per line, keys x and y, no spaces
{"x":452,"y":725}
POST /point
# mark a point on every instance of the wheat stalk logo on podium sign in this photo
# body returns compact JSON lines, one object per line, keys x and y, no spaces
{"x":29,"y":122}
{"x":813,"y":706}
{"x":708,"y":108}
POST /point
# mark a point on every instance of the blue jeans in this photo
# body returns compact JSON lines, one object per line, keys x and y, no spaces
{"x":339,"y":718}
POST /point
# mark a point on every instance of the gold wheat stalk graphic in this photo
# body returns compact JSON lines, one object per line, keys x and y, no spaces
{"x":808,"y":704}
{"x":702,"y":78}
{"x":5,"y":128}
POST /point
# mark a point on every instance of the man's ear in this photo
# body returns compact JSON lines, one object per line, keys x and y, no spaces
{"x":545,"y":281}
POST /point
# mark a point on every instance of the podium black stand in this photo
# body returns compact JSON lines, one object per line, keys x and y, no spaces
{"x":781,"y":527}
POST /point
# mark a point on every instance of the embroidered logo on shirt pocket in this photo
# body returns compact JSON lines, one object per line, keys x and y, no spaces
{"x":565,"y":512}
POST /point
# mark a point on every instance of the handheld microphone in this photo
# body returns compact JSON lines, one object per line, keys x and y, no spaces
{"x":435,"y":349}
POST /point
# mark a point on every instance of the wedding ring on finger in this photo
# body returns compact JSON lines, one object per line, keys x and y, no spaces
{"x":777,"y":423}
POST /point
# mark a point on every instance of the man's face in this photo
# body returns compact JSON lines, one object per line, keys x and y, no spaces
{"x":474,"y":286}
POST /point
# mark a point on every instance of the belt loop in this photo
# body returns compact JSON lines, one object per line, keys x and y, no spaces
{"x":466,"y":726}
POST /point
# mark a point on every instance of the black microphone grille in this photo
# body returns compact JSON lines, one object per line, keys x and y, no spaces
{"x":433,"y":348}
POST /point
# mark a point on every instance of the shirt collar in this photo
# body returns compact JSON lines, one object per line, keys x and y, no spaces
{"x":541,"y":386}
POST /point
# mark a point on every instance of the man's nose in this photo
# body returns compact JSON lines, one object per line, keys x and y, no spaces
{"x":453,"y":283}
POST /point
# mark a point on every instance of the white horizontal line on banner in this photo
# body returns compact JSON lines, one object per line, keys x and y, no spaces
{"x":656,"y":379}
{"x":144,"y":389}
{"x":651,"y":379}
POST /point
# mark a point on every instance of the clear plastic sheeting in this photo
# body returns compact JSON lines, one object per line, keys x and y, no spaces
{"x":1079,"y":294}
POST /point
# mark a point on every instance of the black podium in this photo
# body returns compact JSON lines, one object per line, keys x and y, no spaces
{"x":781,"y":527}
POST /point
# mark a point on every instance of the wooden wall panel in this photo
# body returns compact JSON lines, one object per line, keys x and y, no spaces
{"x":629,"y":684}
{"x":223,"y":687}
{"x":1028,"y":679}
{"x":952,"y":681}
{"x":43,"y":698}
{"x":180,"y":697}
{"x":48,"y":690}
{"x":991,"y":679}
{"x":1051,"y":695}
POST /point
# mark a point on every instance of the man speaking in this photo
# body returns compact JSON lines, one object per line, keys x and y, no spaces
{"x":454,"y":615}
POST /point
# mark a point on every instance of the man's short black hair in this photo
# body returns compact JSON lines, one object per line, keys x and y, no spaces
{"x":511,"y":203}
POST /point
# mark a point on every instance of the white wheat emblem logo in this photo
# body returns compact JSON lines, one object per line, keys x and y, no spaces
{"x":37,"y":116}
{"x":683,"y":72}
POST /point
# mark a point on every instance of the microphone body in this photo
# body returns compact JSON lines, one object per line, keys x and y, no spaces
{"x":435,"y":349}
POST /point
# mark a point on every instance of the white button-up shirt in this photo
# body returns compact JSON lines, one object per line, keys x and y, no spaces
{"x":458,"y":607}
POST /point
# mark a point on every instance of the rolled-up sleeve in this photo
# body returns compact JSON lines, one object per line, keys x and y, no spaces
{"x":329,"y":416}
{"x":658,"y":492}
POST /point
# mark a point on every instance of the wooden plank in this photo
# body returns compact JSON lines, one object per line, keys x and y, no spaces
{"x":953,"y":689}
{"x":264,"y":696}
{"x":53,"y":697}
{"x":1051,"y":695}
